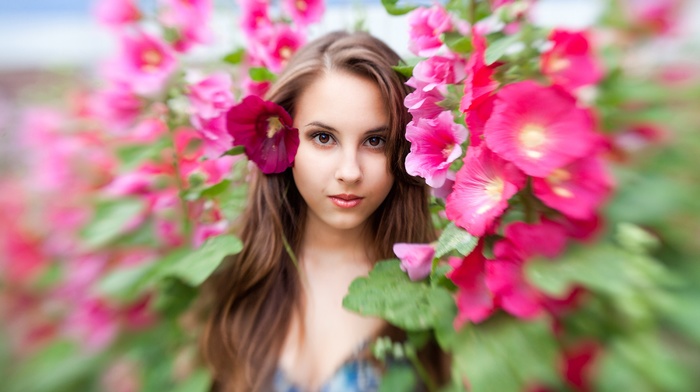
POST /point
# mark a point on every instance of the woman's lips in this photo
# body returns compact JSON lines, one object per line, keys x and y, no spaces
{"x":345,"y":200}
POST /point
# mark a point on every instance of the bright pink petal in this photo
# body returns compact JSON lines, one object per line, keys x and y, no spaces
{"x":425,"y":27}
{"x":304,"y":12}
{"x":482,"y":189}
{"x":435,"y":144}
{"x":538,"y":128}
{"x":479,"y":84}
{"x":546,"y":238}
{"x":416,"y":259}
{"x":474,"y":300}
{"x":570,"y":62}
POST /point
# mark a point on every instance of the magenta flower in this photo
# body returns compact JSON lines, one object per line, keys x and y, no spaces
{"x":273,"y":45}
{"x":435,"y":144}
{"x":476,"y":119}
{"x":474,"y":300}
{"x":304,"y":12}
{"x":482,"y":189}
{"x":116,"y":13}
{"x":251,"y":87}
{"x":416,"y":259}
{"x":422,"y":103}
{"x":117,"y":106}
{"x":425,"y":27}
{"x":576,"y":190}
{"x":265,"y":130}
{"x":211,"y":96}
{"x":439,"y":70}
{"x":479,"y":84}
{"x":190,"y":18}
{"x":538,"y":128}
{"x":146,"y":63}
{"x":254,"y":16}
{"x":570,"y":62}
{"x":504,"y":275}
{"x":216,"y":137}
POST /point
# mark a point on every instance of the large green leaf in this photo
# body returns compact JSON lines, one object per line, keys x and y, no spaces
{"x":393,"y":8}
{"x":195,"y":267}
{"x":498,"y":48}
{"x":388,"y":293}
{"x":199,"y":381}
{"x":455,"y":239}
{"x":398,"y":379}
{"x":110,"y":221}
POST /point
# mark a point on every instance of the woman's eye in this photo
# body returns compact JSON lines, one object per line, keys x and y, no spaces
{"x":323,"y":138}
{"x":375,"y":141}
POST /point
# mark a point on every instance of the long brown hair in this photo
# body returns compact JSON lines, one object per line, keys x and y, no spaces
{"x":256,"y":292}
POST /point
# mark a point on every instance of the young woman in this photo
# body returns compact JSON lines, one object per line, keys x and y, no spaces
{"x":278,"y":323}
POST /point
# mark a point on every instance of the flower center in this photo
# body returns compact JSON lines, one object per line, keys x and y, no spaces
{"x":556,"y":178}
{"x":494,"y":193}
{"x":301,"y":5}
{"x":448,"y":150}
{"x":532,"y":137}
{"x":273,"y":126}
{"x":151,"y":60}
{"x":558,"y":64}
{"x":285,"y":52}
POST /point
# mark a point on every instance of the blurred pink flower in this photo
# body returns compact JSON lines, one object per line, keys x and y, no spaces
{"x":93,"y":323}
{"x":146,"y":63}
{"x":476,"y":119}
{"x":539,"y":128}
{"x":254,"y":16}
{"x":251,"y":87}
{"x":416,"y":259}
{"x":304,"y":12}
{"x":265,"y":130}
{"x":439,"y":70}
{"x":213,"y":131}
{"x":190,"y":18}
{"x":211,"y":96}
{"x":423,"y":103}
{"x":273,"y":45}
{"x":147,"y":131}
{"x":479,"y":83}
{"x":481,"y":190}
{"x":204,"y":231}
{"x":117,"y":106}
{"x":571,"y":63}
{"x":654,"y":16}
{"x":116,"y":13}
{"x":577,"y":189}
{"x":425,"y":27}
{"x":443,"y":191}
{"x":435,"y":144}
{"x":474,"y":300}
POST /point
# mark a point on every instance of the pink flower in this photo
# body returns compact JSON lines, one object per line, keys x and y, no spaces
{"x":211,"y":96}
{"x":265,"y":130}
{"x":422,"y":103}
{"x":190,"y":18}
{"x":254,"y":16}
{"x":146,"y":63}
{"x":93,"y":323}
{"x":416,"y":259}
{"x":476,"y":119}
{"x":474,"y":300}
{"x":204,"y":231}
{"x":425,"y":27}
{"x":304,"y":12}
{"x":216,"y":137}
{"x":570,"y":62}
{"x":435,"y":144}
{"x":116,"y":13}
{"x":479,"y":84}
{"x":504,"y":275}
{"x":576,"y":190}
{"x":118,"y":106}
{"x":443,"y":191}
{"x":251,"y":87}
{"x":439,"y":70}
{"x":654,"y":16}
{"x":538,"y":128}
{"x":482,"y":189}
{"x":273,"y":45}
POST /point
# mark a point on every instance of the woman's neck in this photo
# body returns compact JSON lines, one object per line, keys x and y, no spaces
{"x":322,"y":245}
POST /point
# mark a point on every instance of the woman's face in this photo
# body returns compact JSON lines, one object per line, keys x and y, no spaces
{"x":341,"y":168}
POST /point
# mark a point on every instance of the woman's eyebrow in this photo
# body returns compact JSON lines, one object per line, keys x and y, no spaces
{"x":320,"y":125}
{"x":377,"y":130}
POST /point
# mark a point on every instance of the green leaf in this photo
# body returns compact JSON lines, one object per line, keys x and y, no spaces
{"x":393,"y":9}
{"x":216,"y":189}
{"x":398,"y":379}
{"x":110,"y":221}
{"x":457,"y":42}
{"x":405,"y":70}
{"x":199,"y":381}
{"x":261,"y":74}
{"x":388,"y":293}
{"x":499,"y":47}
{"x":238,"y":150}
{"x":132,"y":156}
{"x":235,"y":57}
{"x":173,"y":296}
{"x":455,"y":239}
{"x":196,"y":267}
{"x":504,"y":354}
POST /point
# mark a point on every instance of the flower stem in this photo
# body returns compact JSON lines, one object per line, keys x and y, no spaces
{"x":422,"y":373}
{"x":186,"y":225}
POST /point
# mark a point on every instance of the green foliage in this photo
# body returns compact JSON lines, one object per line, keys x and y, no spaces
{"x":388,"y":293}
{"x":235,"y":57}
{"x":456,"y":239}
{"x":261,"y":74}
{"x":110,"y":219}
{"x":457,"y":42}
{"x":196,"y":266}
{"x":398,"y":379}
{"x":392,"y":7}
{"x":498,"y":48}
{"x":199,"y":381}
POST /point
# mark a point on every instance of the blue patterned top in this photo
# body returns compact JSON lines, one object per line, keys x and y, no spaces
{"x":356,"y":375}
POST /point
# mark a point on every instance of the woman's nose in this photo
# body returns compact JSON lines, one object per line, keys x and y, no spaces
{"x":349,"y":170}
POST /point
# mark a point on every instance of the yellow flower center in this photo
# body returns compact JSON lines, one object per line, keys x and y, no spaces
{"x":532,"y":137}
{"x":555,"y":179}
{"x":273,"y":126}
{"x":301,"y":5}
{"x":494,"y":192}
{"x":286,"y":52}
{"x":151,"y":60}
{"x":558,"y":64}
{"x":448,"y":150}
